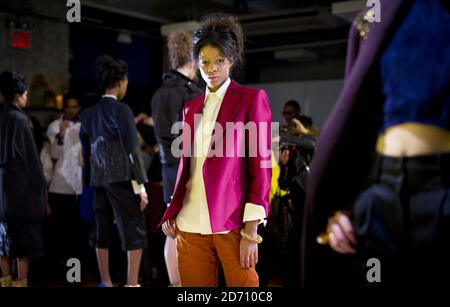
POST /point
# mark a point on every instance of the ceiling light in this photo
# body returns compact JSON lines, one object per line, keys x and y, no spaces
{"x":124,"y":38}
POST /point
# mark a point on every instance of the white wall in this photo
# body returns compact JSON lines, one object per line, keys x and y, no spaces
{"x":315,"y":97}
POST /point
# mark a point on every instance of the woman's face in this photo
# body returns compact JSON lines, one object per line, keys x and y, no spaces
{"x":214,"y":67}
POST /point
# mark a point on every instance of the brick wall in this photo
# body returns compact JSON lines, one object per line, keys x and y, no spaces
{"x":46,"y":64}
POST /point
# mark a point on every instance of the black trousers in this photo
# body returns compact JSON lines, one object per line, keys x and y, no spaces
{"x":115,"y":205}
{"x":19,"y":240}
{"x":403,"y":220}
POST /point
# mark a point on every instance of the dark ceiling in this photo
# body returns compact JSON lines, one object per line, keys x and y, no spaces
{"x":180,"y":10}
{"x":278,"y":32}
{"x":269,"y":25}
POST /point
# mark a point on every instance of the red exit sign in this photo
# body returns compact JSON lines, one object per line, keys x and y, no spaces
{"x":20,"y":39}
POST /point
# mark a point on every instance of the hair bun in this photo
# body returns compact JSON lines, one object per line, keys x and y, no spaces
{"x":223,"y":31}
{"x":110,"y":71}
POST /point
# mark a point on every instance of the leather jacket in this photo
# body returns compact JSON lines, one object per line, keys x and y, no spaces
{"x":110,"y":148}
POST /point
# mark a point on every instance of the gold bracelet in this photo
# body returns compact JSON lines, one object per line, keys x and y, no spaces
{"x":248,"y":237}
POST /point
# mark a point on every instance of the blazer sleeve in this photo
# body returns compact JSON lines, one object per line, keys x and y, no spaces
{"x":128,"y":135}
{"x":260,"y":166}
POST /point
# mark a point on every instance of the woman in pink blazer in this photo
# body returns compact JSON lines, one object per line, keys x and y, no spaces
{"x":222,"y":188}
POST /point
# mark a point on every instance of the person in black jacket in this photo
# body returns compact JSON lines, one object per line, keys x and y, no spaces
{"x":178,"y":87}
{"x":283,"y":234}
{"x":22,"y":183}
{"x":112,"y":160}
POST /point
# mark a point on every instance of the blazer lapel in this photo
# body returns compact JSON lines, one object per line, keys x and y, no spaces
{"x":195,"y":107}
{"x":229,"y":109}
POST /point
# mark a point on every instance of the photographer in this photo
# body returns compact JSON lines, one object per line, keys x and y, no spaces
{"x":297,"y":144}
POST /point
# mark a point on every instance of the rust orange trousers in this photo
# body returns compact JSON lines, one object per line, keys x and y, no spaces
{"x":199,"y":256}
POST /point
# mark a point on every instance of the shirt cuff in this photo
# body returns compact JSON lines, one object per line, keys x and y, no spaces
{"x":137,"y":188}
{"x":254,"y":212}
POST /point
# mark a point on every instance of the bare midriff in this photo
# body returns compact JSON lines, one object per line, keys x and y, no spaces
{"x":413,"y":139}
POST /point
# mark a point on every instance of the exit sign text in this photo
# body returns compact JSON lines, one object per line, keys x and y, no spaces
{"x":20,"y":40}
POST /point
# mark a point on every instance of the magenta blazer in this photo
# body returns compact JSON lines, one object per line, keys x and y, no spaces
{"x":231,"y":180}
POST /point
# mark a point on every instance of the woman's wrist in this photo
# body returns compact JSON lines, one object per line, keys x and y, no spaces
{"x":251,"y":238}
{"x":251,"y":227}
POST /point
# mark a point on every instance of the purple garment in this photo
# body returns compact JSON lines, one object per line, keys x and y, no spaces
{"x":343,"y":156}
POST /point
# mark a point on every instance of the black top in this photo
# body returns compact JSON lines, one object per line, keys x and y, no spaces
{"x":111,"y":152}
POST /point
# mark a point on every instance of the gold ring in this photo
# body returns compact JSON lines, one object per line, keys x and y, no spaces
{"x":325,"y":238}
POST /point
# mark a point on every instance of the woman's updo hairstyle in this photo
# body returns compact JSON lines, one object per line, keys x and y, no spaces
{"x":12,"y":84}
{"x":179,"y":45}
{"x":110,"y":71}
{"x":223,"y":31}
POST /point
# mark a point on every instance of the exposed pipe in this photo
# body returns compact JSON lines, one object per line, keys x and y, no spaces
{"x":297,"y":46}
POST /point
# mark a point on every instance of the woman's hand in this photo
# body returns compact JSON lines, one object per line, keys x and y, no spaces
{"x":169,"y":229}
{"x":248,"y":249}
{"x":140,"y":118}
{"x":144,"y":200}
{"x":299,"y":129}
{"x":340,"y":234}
{"x":144,"y":118}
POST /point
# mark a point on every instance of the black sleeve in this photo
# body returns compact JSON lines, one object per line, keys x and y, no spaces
{"x":166,"y":110}
{"x":127,"y":128}
{"x":86,"y":150}
{"x":25,"y":148}
{"x":306,"y":142}
{"x":284,"y":179}
{"x":128,"y":137}
{"x":137,"y":165}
